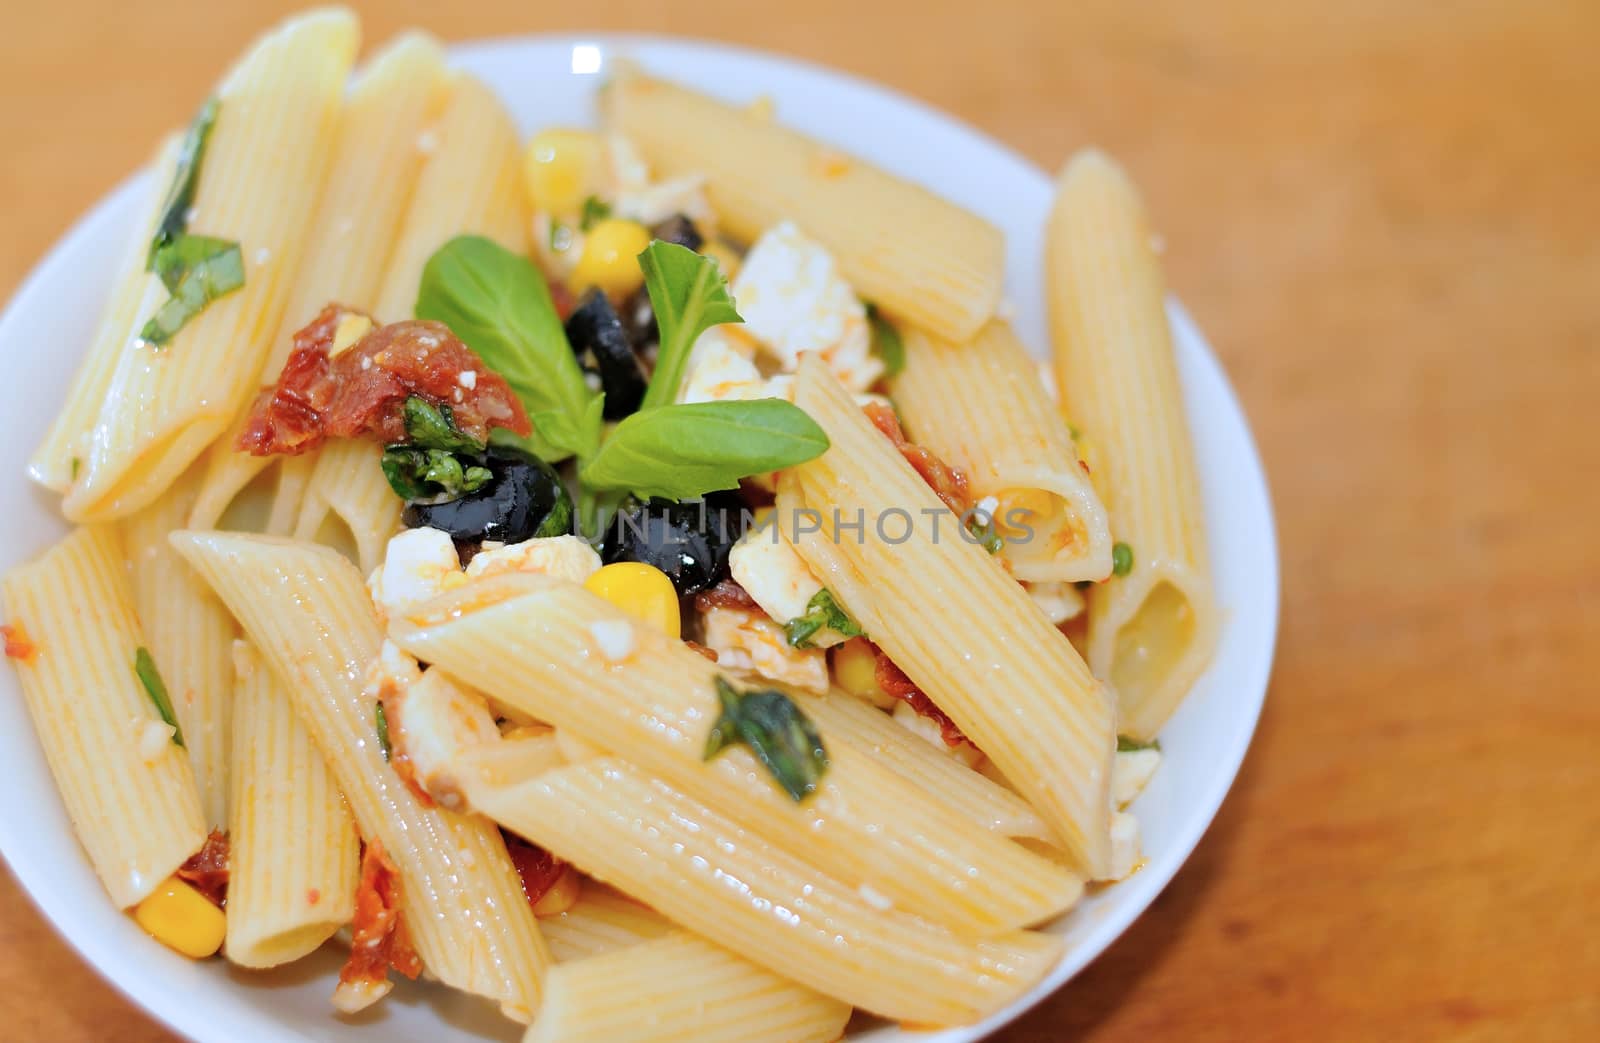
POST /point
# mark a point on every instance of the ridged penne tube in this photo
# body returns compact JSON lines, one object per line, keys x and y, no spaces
{"x":348,"y":484}
{"x":126,"y":785}
{"x":949,"y":616}
{"x":375,"y":163}
{"x":538,"y":647}
{"x":979,"y":406}
{"x":707,"y":874}
{"x":262,"y":171}
{"x":190,"y":633}
{"x":893,"y":746}
{"x":1151,"y":632}
{"x":294,"y":853}
{"x":602,"y":920}
{"x":918,"y":256}
{"x":305,"y":608}
{"x":680,"y":989}
{"x":470,"y":184}
{"x":57,"y":461}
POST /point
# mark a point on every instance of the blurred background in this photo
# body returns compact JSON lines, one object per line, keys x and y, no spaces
{"x":1386,"y":217}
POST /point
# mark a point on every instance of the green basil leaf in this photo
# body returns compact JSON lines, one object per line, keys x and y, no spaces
{"x":1126,"y":744}
{"x":822,"y":612}
{"x":688,"y":295}
{"x":499,"y":305}
{"x":380,"y":721}
{"x":421,"y":474}
{"x":186,"y":174}
{"x":886,"y":342}
{"x":434,"y":427}
{"x":144,"y":665}
{"x":594,"y":209}
{"x":782,"y":737}
{"x":683,"y":451}
{"x":196,"y":270}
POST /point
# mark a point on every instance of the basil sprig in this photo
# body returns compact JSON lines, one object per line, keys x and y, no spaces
{"x":886,"y":342}
{"x":688,"y":295}
{"x":427,"y":464}
{"x":195,"y":269}
{"x":144,"y":665}
{"x":782,"y":738}
{"x":821,"y":611}
{"x":500,"y":306}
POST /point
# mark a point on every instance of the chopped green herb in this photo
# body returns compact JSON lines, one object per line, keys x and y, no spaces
{"x":821,"y":611}
{"x":886,"y":342}
{"x":381,"y":720}
{"x":428,"y":465}
{"x":1072,"y":429}
{"x":1125,"y":744}
{"x":1121,"y":559}
{"x":195,"y":269}
{"x":145,"y":667}
{"x":434,"y":427}
{"x":987,"y":534}
{"x":594,"y":209}
{"x":782,"y":738}
{"x":76,"y":463}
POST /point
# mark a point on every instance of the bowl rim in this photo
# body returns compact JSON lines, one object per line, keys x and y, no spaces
{"x":172,"y":1006}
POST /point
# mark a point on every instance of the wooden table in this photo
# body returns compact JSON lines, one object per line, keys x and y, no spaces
{"x":1387,"y":218}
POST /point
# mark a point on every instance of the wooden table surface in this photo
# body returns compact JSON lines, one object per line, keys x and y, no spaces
{"x":1387,"y":218}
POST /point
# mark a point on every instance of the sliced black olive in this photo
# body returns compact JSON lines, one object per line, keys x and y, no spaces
{"x":524,"y":498}
{"x":603,"y":347}
{"x":639,"y":321}
{"x":688,"y":540}
{"x":679,"y":229}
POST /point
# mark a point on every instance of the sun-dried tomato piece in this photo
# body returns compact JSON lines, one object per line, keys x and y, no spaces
{"x":894,"y":682}
{"x":726,"y":594}
{"x":378,"y":938}
{"x":948,"y":483}
{"x":363,"y":389}
{"x":18,"y":646}
{"x":207,"y":869}
{"x":538,"y":868}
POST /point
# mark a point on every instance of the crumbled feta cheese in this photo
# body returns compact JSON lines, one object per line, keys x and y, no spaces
{"x":615,"y":638}
{"x":433,"y":721}
{"x":414,"y":569}
{"x":1125,"y":853}
{"x":772,"y":572}
{"x":154,"y":738}
{"x":745,"y":640}
{"x":1059,"y":601}
{"x":875,"y":898}
{"x":638,"y":198}
{"x":468,"y":379}
{"x":719,"y":371}
{"x":794,"y":300}
{"x":1131,"y":772}
{"x":566,"y":557}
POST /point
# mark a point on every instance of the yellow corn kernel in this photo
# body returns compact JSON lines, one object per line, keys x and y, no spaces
{"x":610,"y":257}
{"x":642,"y":591}
{"x":1036,"y":502}
{"x":726,"y":256}
{"x":563,"y":894}
{"x":181,"y":918}
{"x":561,"y":169}
{"x":855,"y":669}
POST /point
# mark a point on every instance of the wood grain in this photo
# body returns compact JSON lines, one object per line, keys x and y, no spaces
{"x":1387,"y":218}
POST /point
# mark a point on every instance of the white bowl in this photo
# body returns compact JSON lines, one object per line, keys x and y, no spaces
{"x":551,"y":80}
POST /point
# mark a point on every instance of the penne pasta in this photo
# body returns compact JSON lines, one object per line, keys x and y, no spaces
{"x":375,"y":163}
{"x":957,"y":786}
{"x":468,"y":185}
{"x":1153,"y":630}
{"x":294,"y":853}
{"x":74,"y":639}
{"x":918,"y":256}
{"x":539,"y":645}
{"x":306,"y":609}
{"x":58,"y":460}
{"x":263,"y":168}
{"x":961,"y":629}
{"x":709,"y":875}
{"x":190,"y":634}
{"x":681,"y":989}
{"x":602,"y":920}
{"x":347,"y":486}
{"x":979,"y":407}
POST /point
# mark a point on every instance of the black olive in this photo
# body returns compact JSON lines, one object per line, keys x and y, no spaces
{"x":679,"y":229}
{"x":688,"y":540}
{"x":639,"y":322}
{"x":603,"y":347}
{"x":524,"y":498}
